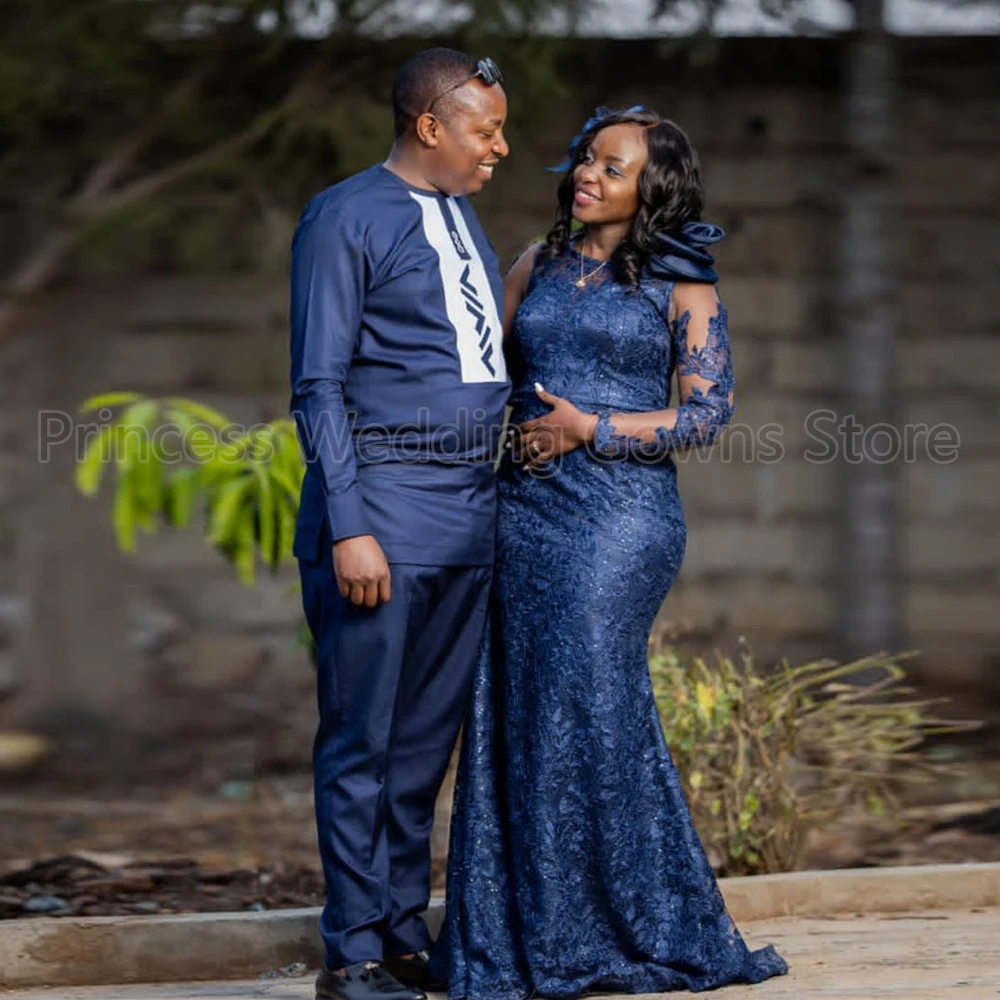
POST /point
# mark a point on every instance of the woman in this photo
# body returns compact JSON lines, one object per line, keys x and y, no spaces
{"x":574,"y":864}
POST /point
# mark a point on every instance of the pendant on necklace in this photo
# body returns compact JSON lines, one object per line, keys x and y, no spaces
{"x":580,"y":282}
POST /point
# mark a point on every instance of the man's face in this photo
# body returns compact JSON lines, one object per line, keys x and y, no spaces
{"x":468,"y":139}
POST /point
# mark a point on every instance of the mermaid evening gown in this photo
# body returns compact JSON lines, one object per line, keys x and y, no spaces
{"x":574,"y":865}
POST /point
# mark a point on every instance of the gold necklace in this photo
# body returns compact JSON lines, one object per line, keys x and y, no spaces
{"x":581,"y":282}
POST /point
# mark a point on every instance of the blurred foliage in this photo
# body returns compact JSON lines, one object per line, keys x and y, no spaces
{"x":174,"y":458}
{"x":766,"y":756}
{"x":778,"y":11}
{"x":191,"y":134}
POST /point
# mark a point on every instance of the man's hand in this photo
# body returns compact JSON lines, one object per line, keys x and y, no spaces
{"x":362,"y":571}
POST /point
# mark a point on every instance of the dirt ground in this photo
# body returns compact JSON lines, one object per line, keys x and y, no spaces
{"x":194,"y":835}
{"x":253,"y":847}
{"x":242,"y":847}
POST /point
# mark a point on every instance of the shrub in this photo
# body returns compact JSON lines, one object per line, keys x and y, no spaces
{"x":767,"y":756}
{"x":173,"y":457}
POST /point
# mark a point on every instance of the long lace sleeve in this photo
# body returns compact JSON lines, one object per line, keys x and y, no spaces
{"x":700,"y":337}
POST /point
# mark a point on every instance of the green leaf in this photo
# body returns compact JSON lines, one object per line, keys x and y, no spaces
{"x":292,"y":491}
{"x":184,"y":421}
{"x":286,"y":530}
{"x":139,"y":419}
{"x":227,"y":511}
{"x":180,"y":493}
{"x":200,"y":412}
{"x":244,"y":553}
{"x":89,"y":469}
{"x":266,"y":517}
{"x":123,"y":513}
{"x":202,"y":445}
{"x":141,"y":414}
{"x":108,"y":399}
{"x":259,"y":445}
{"x":288,"y":460}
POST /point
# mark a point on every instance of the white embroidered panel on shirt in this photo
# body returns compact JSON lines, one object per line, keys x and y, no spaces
{"x":468,"y":295}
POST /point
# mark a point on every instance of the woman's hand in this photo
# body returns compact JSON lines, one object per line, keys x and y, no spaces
{"x":563,"y":429}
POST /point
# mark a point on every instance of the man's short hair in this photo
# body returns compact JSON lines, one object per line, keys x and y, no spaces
{"x":424,"y":77}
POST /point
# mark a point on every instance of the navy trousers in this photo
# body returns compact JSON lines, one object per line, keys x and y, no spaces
{"x":392,"y":685}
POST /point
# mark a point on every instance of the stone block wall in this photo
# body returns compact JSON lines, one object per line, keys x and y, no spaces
{"x":163,"y":652}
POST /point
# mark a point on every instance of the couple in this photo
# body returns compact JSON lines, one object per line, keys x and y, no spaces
{"x":574,"y":866}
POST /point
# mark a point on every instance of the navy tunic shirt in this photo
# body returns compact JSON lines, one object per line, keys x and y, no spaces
{"x":397,"y":370}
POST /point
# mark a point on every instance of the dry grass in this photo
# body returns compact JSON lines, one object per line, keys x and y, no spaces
{"x":767,"y":756}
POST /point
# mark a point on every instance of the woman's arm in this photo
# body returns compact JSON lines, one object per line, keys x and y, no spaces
{"x":515,"y":285}
{"x":700,"y":335}
{"x":698,"y":329}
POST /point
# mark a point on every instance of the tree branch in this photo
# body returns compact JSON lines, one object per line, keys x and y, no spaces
{"x":107,"y":173}
{"x":44,"y":261}
{"x":146,"y":186}
{"x":151,"y":184}
{"x":96,"y":199}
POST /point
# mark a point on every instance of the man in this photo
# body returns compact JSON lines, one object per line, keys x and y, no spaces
{"x":398,"y":390}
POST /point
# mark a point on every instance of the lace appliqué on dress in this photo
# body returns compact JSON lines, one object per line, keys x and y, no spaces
{"x":705,"y":375}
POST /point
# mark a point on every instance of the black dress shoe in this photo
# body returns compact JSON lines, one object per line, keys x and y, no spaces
{"x":416,"y":971}
{"x":363,"y":981}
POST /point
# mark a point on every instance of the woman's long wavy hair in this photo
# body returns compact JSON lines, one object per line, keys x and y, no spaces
{"x":670,"y":190}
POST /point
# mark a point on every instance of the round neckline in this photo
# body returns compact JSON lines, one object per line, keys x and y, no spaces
{"x":428,"y":192}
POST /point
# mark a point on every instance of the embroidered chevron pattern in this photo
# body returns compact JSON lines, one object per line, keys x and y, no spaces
{"x":474,"y":306}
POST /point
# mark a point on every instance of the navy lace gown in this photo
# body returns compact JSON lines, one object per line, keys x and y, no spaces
{"x":574,"y":866}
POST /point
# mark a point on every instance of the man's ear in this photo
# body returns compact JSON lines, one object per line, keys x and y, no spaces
{"x":428,"y":130}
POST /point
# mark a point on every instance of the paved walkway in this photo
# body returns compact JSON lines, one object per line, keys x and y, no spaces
{"x":937,"y":955}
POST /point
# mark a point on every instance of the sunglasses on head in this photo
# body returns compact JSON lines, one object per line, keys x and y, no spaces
{"x":486,"y":69}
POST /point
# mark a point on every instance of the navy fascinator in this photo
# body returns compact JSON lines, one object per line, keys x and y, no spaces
{"x":589,"y":125}
{"x":682,"y":257}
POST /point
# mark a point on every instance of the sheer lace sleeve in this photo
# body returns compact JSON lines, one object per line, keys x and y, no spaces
{"x":700,"y":336}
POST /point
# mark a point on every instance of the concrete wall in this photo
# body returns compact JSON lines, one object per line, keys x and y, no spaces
{"x":133,"y":656}
{"x":167,"y":642}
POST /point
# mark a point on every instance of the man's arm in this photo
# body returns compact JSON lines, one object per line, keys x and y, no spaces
{"x":328,"y":278}
{"x":327,"y":296}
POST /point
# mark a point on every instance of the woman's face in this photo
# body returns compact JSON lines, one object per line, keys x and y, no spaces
{"x":606,"y":181}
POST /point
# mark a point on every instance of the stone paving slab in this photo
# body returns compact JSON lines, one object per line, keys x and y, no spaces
{"x":218,"y":946}
{"x":931,"y":955}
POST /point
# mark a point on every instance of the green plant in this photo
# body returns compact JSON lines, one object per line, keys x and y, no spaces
{"x":767,"y":756}
{"x":173,"y":457}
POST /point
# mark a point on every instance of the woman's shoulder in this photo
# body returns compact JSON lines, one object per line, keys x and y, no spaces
{"x":521,"y":272}
{"x":526,"y":259}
